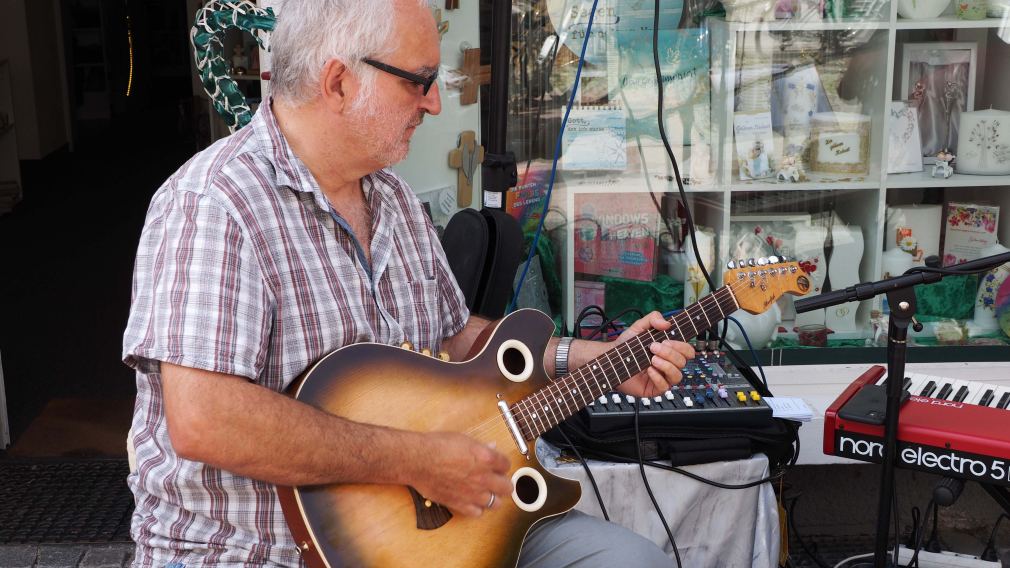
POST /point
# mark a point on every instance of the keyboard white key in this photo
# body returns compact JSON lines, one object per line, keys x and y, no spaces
{"x":975,"y":391}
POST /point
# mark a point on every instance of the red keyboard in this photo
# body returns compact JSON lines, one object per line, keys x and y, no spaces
{"x":946,"y":426}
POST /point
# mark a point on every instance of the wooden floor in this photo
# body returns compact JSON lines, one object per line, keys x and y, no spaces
{"x":77,"y":427}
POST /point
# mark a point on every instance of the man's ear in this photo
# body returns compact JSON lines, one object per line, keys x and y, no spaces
{"x":337,"y":85}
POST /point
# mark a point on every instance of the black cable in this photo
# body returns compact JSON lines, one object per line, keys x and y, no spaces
{"x":933,"y":544}
{"x":585,"y":466}
{"x":792,"y":524}
{"x":914,"y":561}
{"x":621,"y":459}
{"x":989,"y":552}
{"x":610,"y":322}
{"x":897,"y":534}
{"x":916,"y":517}
{"x":648,"y":488}
{"x":587,"y":311}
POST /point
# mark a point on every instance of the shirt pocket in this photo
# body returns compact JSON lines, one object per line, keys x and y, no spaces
{"x":415,"y":306}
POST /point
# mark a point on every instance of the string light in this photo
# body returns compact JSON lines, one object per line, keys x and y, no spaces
{"x":129,"y":39}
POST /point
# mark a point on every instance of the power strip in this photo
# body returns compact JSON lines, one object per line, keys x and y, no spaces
{"x":943,"y":559}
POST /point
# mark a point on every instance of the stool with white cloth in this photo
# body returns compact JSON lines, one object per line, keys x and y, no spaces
{"x":713,"y":527}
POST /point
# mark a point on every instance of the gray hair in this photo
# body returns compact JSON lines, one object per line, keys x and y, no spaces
{"x":311,"y":32}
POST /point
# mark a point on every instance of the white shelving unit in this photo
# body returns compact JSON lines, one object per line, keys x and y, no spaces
{"x":861,"y":200}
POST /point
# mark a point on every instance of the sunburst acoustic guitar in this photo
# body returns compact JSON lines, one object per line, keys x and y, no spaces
{"x":501,"y":394}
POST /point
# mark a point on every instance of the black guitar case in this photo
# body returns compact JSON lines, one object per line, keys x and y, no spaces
{"x":484,"y":249}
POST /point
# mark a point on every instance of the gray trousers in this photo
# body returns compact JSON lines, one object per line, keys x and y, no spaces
{"x":578,"y":540}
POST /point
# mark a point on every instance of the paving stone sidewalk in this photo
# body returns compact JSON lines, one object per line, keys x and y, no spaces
{"x":115,"y":555}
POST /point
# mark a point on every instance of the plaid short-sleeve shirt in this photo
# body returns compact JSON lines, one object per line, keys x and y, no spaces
{"x":244,"y":269}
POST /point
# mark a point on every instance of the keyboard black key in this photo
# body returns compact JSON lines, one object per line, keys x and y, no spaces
{"x":962,"y":393}
{"x":944,"y":392}
{"x":905,"y":383}
{"x":986,"y":398}
{"x":1004,"y":401}
{"x":928,"y":389}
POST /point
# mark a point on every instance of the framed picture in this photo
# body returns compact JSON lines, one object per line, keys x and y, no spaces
{"x":938,"y":79}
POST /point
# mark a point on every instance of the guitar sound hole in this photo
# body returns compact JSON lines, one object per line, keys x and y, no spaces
{"x":514,"y":361}
{"x":527,"y":490}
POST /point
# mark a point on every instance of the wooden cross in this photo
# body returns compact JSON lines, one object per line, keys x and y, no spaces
{"x":443,"y":25}
{"x":465,"y":158}
{"x":476,"y":74}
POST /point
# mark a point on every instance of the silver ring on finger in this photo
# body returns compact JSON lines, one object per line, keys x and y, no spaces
{"x":490,"y":502}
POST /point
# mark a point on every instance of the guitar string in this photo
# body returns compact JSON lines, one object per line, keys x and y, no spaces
{"x":743,"y":292}
{"x":523,"y":407}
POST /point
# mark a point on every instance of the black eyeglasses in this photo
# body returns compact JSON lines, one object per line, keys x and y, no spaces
{"x":424,"y":82}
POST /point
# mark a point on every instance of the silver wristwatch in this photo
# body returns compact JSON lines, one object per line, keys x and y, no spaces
{"x":561,"y":357}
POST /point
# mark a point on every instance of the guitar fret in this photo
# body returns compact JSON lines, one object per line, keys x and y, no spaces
{"x":564,"y":398}
{"x":703,"y":313}
{"x":530,"y":416}
{"x":537,"y":417}
{"x":690,"y":322}
{"x":716,"y":300}
{"x":547,"y":407}
{"x":550,"y":407}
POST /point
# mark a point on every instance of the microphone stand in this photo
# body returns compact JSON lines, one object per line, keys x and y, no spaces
{"x":900,"y":293}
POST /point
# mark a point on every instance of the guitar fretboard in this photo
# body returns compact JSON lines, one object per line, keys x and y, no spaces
{"x":552,"y":404}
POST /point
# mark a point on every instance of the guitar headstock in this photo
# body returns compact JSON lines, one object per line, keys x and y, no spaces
{"x":758,"y":283}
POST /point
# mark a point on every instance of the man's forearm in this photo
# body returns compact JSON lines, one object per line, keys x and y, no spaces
{"x":458,"y":346}
{"x":232,"y":424}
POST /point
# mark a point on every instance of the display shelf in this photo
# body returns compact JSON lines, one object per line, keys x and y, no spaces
{"x":816,"y":183}
{"x":923,"y":179}
{"x":948,"y":23}
{"x":798,"y":25}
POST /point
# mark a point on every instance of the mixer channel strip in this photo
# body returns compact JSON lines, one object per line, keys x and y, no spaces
{"x":712,"y":393}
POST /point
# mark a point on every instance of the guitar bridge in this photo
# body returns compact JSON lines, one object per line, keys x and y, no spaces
{"x":510,"y":420}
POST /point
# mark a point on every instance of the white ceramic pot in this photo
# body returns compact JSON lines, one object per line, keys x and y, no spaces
{"x":921,"y":9}
{"x":761,"y":328}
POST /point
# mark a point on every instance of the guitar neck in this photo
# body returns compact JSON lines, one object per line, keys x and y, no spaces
{"x":547,"y":407}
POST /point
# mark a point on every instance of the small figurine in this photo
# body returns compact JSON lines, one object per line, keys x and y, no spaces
{"x":943,"y":167}
{"x":918,"y":95}
{"x":790,"y":170}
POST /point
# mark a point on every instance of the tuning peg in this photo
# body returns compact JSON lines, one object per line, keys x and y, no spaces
{"x":731,"y":265}
{"x":762,"y":261}
{"x":444,"y":356}
{"x":741,"y":263}
{"x":750,"y":262}
{"x":426,"y":352}
{"x":773,"y":259}
{"x":783,"y":258}
{"x":407,"y":345}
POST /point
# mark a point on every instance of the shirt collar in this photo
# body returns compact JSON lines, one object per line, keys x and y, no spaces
{"x":292,"y":172}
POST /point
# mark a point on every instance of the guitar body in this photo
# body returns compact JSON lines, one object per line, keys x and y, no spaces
{"x":389,"y":526}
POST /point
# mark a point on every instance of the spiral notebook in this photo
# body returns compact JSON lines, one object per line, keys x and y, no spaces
{"x":595,"y":139}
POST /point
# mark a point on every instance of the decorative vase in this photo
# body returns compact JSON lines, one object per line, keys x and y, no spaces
{"x":761,"y":328}
{"x":843,"y":271}
{"x":970,"y":9}
{"x":984,"y":319}
{"x":921,"y":9}
{"x":1003,"y":307}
